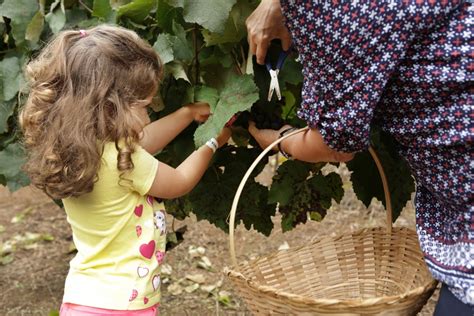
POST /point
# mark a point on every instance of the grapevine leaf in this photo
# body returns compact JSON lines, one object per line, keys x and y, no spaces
{"x":288,"y":110}
{"x":211,"y":14}
{"x":35,"y":27}
{"x":165,"y":15}
{"x":164,"y":47}
{"x":181,"y":47}
{"x":11,"y":76}
{"x":291,"y":72}
{"x":115,"y":4}
{"x":56,"y":20}
{"x":137,"y":10}
{"x":234,"y":29}
{"x":288,"y":175}
{"x":20,"y":12}
{"x":219,"y":186}
{"x":327,"y":188}
{"x":207,"y":94}
{"x":75,"y":17}
{"x":301,"y":189}
{"x":238,"y":95}
{"x":103,"y":10}
{"x":11,"y":160}
{"x":176,"y":69}
{"x":6,"y":110}
{"x":179,"y":208}
{"x":366,"y":178}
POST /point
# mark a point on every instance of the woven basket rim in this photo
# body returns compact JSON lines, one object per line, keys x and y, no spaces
{"x":392,"y":299}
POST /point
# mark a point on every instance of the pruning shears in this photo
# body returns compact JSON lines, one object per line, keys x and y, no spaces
{"x":274,"y":84}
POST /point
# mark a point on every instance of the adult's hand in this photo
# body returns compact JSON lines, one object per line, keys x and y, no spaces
{"x":306,"y":146}
{"x":263,"y":25}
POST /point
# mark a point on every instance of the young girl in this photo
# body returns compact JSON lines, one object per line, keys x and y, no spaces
{"x":90,"y":143}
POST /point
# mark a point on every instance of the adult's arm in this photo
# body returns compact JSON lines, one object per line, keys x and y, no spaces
{"x":349,"y":51}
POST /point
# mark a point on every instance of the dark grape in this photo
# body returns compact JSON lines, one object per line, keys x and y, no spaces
{"x":265,"y":119}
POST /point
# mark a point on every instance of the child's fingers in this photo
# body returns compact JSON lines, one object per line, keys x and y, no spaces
{"x":224,"y":136}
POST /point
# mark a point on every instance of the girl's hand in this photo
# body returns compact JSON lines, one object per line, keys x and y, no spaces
{"x":265,"y":24}
{"x":224,"y":136}
{"x":200,"y":111}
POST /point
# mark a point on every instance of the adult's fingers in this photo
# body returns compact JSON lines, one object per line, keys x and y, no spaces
{"x":286,"y":41}
{"x":261,"y":53}
{"x":251,"y":44}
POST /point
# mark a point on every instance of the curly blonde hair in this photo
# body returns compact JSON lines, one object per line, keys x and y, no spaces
{"x":82,"y":87}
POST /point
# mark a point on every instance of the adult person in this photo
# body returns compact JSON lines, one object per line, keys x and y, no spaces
{"x":408,"y":67}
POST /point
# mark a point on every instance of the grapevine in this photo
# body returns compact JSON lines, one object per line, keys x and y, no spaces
{"x":206,"y":58}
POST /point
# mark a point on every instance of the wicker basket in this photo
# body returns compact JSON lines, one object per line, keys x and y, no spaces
{"x":375,"y":271}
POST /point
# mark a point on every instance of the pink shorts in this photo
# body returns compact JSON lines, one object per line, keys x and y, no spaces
{"x":68,"y":309}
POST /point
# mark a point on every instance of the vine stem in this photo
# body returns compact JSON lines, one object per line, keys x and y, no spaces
{"x":196,"y":55}
{"x":85,"y":6}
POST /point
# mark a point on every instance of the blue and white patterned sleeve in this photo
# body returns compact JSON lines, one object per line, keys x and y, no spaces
{"x":349,"y":50}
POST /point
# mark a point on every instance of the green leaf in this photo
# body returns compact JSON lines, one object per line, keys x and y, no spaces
{"x":301,"y":190}
{"x":366,"y":178}
{"x":165,"y":16}
{"x":219,"y":186}
{"x":56,"y":20}
{"x":21,"y":12}
{"x":288,"y":175}
{"x":137,"y":10}
{"x":181,"y":46}
{"x":234,"y":29}
{"x":164,"y":47}
{"x":6,"y":110}
{"x":102,"y":9}
{"x":11,"y":160}
{"x":207,"y":94}
{"x":238,"y":95}
{"x":291,"y":72}
{"x":176,"y":69}
{"x":34,"y":29}
{"x":211,"y":14}
{"x":11,"y":76}
{"x":288,"y":110}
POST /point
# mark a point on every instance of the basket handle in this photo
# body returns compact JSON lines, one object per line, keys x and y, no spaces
{"x":260,"y":157}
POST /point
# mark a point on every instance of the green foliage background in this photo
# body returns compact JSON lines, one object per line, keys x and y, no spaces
{"x":203,"y":44}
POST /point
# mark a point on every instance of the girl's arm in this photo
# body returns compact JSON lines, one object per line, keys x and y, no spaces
{"x":171,"y":183}
{"x":156,"y":135}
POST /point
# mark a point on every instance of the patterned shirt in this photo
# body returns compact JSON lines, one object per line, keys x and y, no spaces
{"x":407,"y":66}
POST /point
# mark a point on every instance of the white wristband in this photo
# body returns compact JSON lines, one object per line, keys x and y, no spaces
{"x":212,"y":143}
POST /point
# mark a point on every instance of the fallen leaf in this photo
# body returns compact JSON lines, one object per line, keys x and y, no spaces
{"x":284,"y":246}
{"x":166,"y":269}
{"x":224,"y":298}
{"x":194,"y":251}
{"x":196,"y":278}
{"x":6,"y":259}
{"x":208,"y":288}
{"x":204,"y":263}
{"x":175,"y":289}
{"x":191,"y":288}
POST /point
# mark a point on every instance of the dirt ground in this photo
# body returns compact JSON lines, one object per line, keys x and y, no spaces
{"x":32,"y":284}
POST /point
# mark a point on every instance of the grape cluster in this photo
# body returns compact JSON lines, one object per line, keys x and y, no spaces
{"x":266,"y":119}
{"x":300,"y":206}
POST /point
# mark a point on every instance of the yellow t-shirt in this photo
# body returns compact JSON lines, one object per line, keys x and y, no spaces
{"x":120,"y":235}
